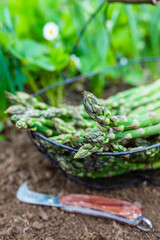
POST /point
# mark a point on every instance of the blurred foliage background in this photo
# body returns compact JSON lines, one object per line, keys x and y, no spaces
{"x":28,"y":60}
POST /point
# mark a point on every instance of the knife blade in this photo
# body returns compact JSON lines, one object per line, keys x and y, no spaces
{"x":118,"y":210}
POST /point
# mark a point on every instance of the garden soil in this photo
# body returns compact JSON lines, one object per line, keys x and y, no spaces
{"x":20,"y":161}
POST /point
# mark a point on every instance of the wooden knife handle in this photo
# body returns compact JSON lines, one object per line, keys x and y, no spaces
{"x":104,"y":204}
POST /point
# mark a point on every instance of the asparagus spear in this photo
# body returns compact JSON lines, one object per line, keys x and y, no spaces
{"x":19,"y":110}
{"x":16,"y":109}
{"x":62,"y":139}
{"x":58,"y":125}
{"x":89,"y":147}
{"x":95,"y":109}
{"x":75,"y":114}
{"x":143,"y":101}
{"x":132,"y":94}
{"x":129,"y":123}
{"x":102,"y":115}
{"x":34,"y":126}
{"x":75,"y":119}
{"x":146,"y":108}
{"x":25,"y":99}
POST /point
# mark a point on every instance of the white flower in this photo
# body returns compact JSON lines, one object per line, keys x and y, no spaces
{"x":75,"y":61}
{"x":50,"y":31}
{"x":123,"y":61}
{"x":109,"y":24}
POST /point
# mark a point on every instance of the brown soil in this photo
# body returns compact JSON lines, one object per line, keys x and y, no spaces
{"x":20,"y":161}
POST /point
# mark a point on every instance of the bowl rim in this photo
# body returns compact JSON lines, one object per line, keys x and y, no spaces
{"x":32,"y":133}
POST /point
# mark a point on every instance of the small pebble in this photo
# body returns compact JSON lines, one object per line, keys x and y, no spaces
{"x":18,"y":229}
{"x":145,"y":183}
{"x":72,"y":215}
{"x":9,"y":230}
{"x":155,"y":191}
{"x":14,"y":229}
{"x":37,"y":225}
{"x":49,"y":238}
{"x":48,"y":174}
{"x":43,"y":215}
{"x":138,"y":204}
{"x":24,"y":155}
{"x":3,"y":233}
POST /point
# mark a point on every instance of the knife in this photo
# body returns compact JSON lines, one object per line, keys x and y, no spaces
{"x":114,"y":209}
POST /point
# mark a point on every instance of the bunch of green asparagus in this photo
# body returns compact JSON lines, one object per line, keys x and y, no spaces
{"x":126,"y":121}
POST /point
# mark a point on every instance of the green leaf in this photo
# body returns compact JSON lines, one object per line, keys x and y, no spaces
{"x":15,"y":52}
{"x":59,"y":58}
{"x":20,"y":78}
{"x":28,"y":48}
{"x":32,"y":49}
{"x":1,"y":126}
{"x":43,"y":62}
{"x":134,"y":78}
{"x":6,"y":72}
{"x":32,"y":53}
{"x":2,"y":137}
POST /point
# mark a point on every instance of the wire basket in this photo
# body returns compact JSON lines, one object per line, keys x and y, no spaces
{"x":111,"y":170}
{"x":106,"y":170}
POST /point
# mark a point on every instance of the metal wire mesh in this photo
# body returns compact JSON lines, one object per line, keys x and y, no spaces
{"x":103,"y":170}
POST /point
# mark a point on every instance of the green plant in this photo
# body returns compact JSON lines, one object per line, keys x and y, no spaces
{"x":2,"y":138}
{"x":28,"y":60}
